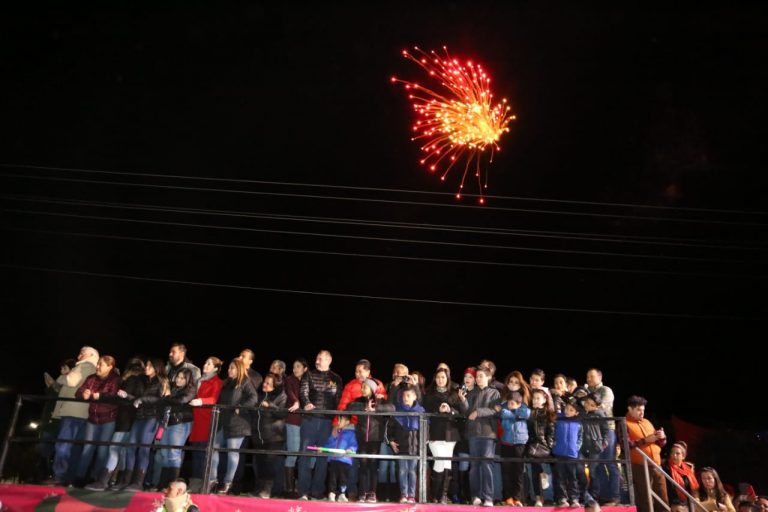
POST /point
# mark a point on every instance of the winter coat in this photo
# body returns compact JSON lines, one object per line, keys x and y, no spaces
{"x":269,"y":422}
{"x":443,"y":427}
{"x":101,"y":411}
{"x":291,"y":387}
{"x":515,"y":425}
{"x":568,"y":438}
{"x":484,"y":402}
{"x":541,"y":431}
{"x":126,"y":412}
{"x":321,"y":389}
{"x":208,"y":393}
{"x":72,"y":381}
{"x":153,"y":388}
{"x":176,"y":405}
{"x":405,"y":430}
{"x":343,"y":440}
{"x":595,"y":432}
{"x":370,"y":428}
{"x":236,"y":422}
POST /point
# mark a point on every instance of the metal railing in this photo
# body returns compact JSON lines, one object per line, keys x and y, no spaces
{"x":422,"y":457}
{"x":693,"y":503}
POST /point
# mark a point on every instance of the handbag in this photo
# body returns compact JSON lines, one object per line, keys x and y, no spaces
{"x":537,"y":451}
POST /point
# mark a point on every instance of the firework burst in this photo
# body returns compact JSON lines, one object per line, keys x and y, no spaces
{"x":459,"y":125}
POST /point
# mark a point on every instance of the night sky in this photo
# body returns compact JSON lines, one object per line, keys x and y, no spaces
{"x":618,"y":109}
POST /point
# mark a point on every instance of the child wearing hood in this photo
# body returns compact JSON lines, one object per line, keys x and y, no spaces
{"x":342,"y":438}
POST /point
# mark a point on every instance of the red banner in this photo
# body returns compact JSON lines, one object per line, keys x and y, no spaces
{"x":34,"y":498}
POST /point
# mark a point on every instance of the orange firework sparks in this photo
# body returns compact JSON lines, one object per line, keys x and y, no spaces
{"x":462,"y":122}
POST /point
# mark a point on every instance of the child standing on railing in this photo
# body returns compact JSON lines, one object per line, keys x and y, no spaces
{"x":342,"y":438}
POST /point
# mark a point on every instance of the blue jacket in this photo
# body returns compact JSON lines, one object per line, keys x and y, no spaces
{"x":568,"y":434}
{"x":345,"y":440}
{"x":515,"y":425}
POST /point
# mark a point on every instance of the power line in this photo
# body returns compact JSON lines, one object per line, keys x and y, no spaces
{"x":385,"y":201}
{"x":377,"y":297}
{"x":380,"y":239}
{"x":567,"y":235}
{"x":388,"y":190}
{"x":385,"y":257}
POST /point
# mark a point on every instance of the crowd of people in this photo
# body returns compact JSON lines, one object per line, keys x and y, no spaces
{"x":558,"y":445}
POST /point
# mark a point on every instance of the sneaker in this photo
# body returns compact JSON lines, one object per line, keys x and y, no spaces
{"x":518,"y":503}
{"x":304,"y":497}
{"x":611,"y":503}
{"x":538,"y":503}
{"x":342,"y":498}
{"x":575,"y":504}
{"x":371,"y":498}
{"x":331,"y":496}
{"x":477,"y":502}
{"x":488,"y":503}
{"x":411,"y":499}
{"x":444,"y":500}
{"x":562,"y":503}
{"x":404,"y":499}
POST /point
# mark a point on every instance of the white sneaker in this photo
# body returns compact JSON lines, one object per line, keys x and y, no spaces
{"x":488,"y":503}
{"x":404,"y":499}
{"x":342,"y":498}
{"x":304,"y":497}
{"x":562,"y":503}
{"x":538,"y":503}
{"x":575,"y":504}
{"x":477,"y":502}
{"x":331,"y":496}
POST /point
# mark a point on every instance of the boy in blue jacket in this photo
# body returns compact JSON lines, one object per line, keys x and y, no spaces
{"x":342,"y":438}
{"x":568,"y":438}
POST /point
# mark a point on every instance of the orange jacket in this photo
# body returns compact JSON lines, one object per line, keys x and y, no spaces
{"x":637,"y":430}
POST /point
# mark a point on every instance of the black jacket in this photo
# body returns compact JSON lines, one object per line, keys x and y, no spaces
{"x":269,"y":422}
{"x":370,"y":428}
{"x":236,"y":422}
{"x":445,"y":427}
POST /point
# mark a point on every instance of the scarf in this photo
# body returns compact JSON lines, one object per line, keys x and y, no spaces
{"x":679,"y":473}
{"x":209,"y":376}
{"x":178,"y":504}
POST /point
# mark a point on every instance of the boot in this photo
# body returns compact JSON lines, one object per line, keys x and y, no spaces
{"x":125,"y":479}
{"x":167,"y":475}
{"x":137,"y":482}
{"x":436,"y":485}
{"x":266,"y":490}
{"x":290,"y":483}
{"x":465,"y":488}
{"x":195,"y":485}
{"x":114,"y":478}
{"x":102,"y":482}
{"x":447,"y":476}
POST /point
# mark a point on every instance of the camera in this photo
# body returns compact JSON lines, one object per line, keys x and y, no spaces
{"x":465,"y":389}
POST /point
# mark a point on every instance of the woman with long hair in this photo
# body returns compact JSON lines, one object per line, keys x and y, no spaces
{"x":712,"y":493}
{"x":238,"y":394}
{"x":207,"y":394}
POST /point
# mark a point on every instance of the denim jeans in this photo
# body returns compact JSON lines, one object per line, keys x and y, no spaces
{"x":174,"y":435}
{"x":407,"y":475}
{"x":314,"y":431}
{"x":142,"y":432}
{"x":386,"y":467}
{"x":481,"y":471}
{"x":292,"y":443}
{"x":117,"y":452}
{"x":67,"y":454}
{"x":232,"y":457}
{"x":95,"y":432}
{"x":606,"y":476}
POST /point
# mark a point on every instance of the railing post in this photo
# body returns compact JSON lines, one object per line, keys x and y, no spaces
{"x":209,"y":450}
{"x":423,"y":437}
{"x":9,"y":435}
{"x":628,"y":461}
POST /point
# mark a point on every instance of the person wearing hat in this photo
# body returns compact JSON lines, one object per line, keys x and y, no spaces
{"x":369,"y":431}
{"x":594,"y":442}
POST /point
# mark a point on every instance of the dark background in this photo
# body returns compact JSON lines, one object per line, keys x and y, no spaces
{"x":651,"y":106}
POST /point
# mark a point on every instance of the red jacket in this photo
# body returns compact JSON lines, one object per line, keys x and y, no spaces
{"x":353,"y":391}
{"x":209,"y":393}
{"x":99,"y":412}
